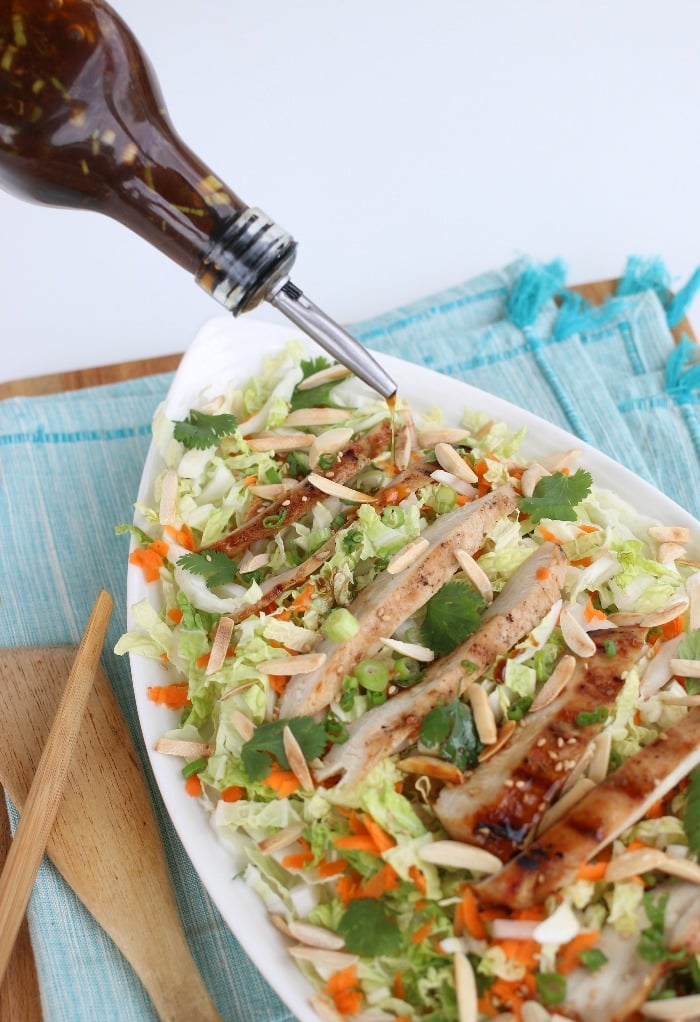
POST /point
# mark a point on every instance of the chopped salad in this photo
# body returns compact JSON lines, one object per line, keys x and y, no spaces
{"x":444,"y":696}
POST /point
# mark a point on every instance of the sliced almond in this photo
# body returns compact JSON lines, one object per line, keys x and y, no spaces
{"x":252,"y":562}
{"x":326,"y":1009}
{"x":296,"y":759}
{"x":407,"y":555}
{"x":239,"y":688}
{"x":476,"y":575}
{"x":465,"y":986}
{"x":669,"y":533}
{"x":531,"y":477}
{"x":328,"y":375}
{"x":323,"y":959}
{"x":179,"y":747}
{"x":653,"y":619}
{"x":457,"y":855}
{"x":282,"y":839}
{"x":562,"y":805}
{"x":460,"y":486}
{"x":290,"y":665}
{"x":677,"y":700}
{"x":685,"y":668}
{"x":430,"y":437}
{"x":644,"y":860}
{"x":600,"y":761}
{"x":329,"y":442}
{"x":403,"y":445}
{"x":560,"y":460}
{"x":334,"y":489}
{"x":532,"y":1011}
{"x":432,"y":766}
{"x":315,"y":936}
{"x":316,"y":417}
{"x":575,"y":636}
{"x":244,"y":725}
{"x":693,"y":589}
{"x":410,"y":649}
{"x":513,"y":929}
{"x":484,"y":718}
{"x":168,"y":497}
{"x":272,"y":491}
{"x":220,"y":645}
{"x":673,"y":1009}
{"x":505,"y":733}
{"x":280,"y":441}
{"x":579,"y":769}
{"x":555,"y":683}
{"x":452,"y":461}
{"x":279,"y":923}
{"x":667,"y":553}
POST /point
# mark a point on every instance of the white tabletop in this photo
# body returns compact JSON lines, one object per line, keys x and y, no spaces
{"x":406,"y":144}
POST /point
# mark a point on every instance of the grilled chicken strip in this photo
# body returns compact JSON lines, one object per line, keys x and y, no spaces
{"x":521,"y":605}
{"x":616,"y":990}
{"x":391,"y":599}
{"x":401,"y":486}
{"x":607,"y":810}
{"x":501,"y":803}
{"x":297,"y":502}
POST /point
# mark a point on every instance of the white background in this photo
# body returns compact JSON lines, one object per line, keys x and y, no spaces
{"x":406,"y":144}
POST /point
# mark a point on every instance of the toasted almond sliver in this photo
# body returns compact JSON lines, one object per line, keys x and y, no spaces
{"x":555,"y":683}
{"x":410,"y":649}
{"x":685,"y":668}
{"x":576,"y":638}
{"x":411,"y":552}
{"x":531,"y":477}
{"x":327,"y":375}
{"x":280,"y":441}
{"x":431,"y":766}
{"x":476,"y":575}
{"x":598,"y":767}
{"x":251,"y":562}
{"x":505,"y":733}
{"x":460,"y":486}
{"x":168,"y":497}
{"x":465,"y":986}
{"x":430,"y":437}
{"x":669,"y":533}
{"x":457,"y":855}
{"x":673,"y":1009}
{"x":331,"y":441}
{"x":244,"y":725}
{"x":561,"y":459}
{"x":323,"y":959}
{"x":532,"y":1011}
{"x":220,"y":645}
{"x":453,"y":462}
{"x":484,"y":718}
{"x":272,"y":491}
{"x":673,"y":700}
{"x":290,"y":665}
{"x":579,"y":769}
{"x":296,"y":759}
{"x":693,"y":589}
{"x":565,"y":803}
{"x":179,"y":747}
{"x":239,"y":688}
{"x":334,"y":489}
{"x":326,"y":1009}
{"x":630,"y":864}
{"x":315,"y":936}
{"x":279,"y":923}
{"x":654,"y":619}
{"x":403,"y":445}
{"x":670,"y":552}
{"x":316,"y":417}
{"x":513,"y":929}
{"x":282,"y":839}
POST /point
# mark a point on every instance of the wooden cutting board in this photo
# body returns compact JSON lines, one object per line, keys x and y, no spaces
{"x":105,"y":841}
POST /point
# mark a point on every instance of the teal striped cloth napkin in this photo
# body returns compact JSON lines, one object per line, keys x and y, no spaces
{"x":71,"y":465}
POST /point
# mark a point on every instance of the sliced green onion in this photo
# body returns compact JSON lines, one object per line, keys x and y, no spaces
{"x":376,"y":698}
{"x":407,"y":671}
{"x":273,"y":474}
{"x":445,"y":499}
{"x":274,"y":521}
{"x":598,"y":716}
{"x":551,"y":987}
{"x":393,"y":517}
{"x":610,"y":647}
{"x":340,"y":625}
{"x":195,"y":767}
{"x":518,"y":708}
{"x":352,"y":539}
{"x":373,"y":675}
{"x":335,"y":728}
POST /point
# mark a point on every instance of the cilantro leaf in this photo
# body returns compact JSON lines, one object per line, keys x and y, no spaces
{"x":201,"y":430}
{"x":368,"y":929}
{"x":450,"y":730}
{"x":691,"y":820}
{"x":451,"y":615}
{"x":556,"y":496}
{"x":214,"y":565}
{"x":267,"y":743}
{"x":317,"y":396}
{"x":652,"y":941}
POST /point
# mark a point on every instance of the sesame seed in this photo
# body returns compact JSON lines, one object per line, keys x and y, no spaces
{"x":286,"y":503}
{"x":541,"y":742}
{"x":520,"y":785}
{"x":509,"y":782}
{"x":558,"y":768}
{"x":560,"y":742}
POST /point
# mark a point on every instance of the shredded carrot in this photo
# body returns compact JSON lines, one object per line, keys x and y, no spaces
{"x":385,"y":879}
{"x":174,"y":696}
{"x":297,"y":860}
{"x":202,"y":660}
{"x":655,"y":811}
{"x":193,"y":786}
{"x":469,"y":915}
{"x":591,"y":871}
{"x":582,"y":562}
{"x":399,"y":989}
{"x":250,"y":480}
{"x":547,"y":535}
{"x":278,"y":682}
{"x":284,"y":782}
{"x":183,"y":536}
{"x":378,"y":835}
{"x":636,"y":845}
{"x":588,"y":528}
{"x":303,"y":600}
{"x":568,"y":958}
{"x":347,"y":888}
{"x":232,"y":794}
{"x":343,"y":988}
{"x":541,"y":574}
{"x":462,"y":500}
{"x":150,"y":559}
{"x":673,"y":628}
{"x":421,"y":933}
{"x":330,"y":869}
{"x":175,"y":614}
{"x":395,"y":494}
{"x":418,"y":878}
{"x":356,"y":843}
{"x":590,"y":612}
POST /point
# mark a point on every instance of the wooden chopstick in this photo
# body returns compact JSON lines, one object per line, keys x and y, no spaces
{"x":44,"y":796}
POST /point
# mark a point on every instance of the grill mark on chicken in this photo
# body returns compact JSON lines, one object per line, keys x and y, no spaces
{"x":409,"y":481}
{"x":538,"y":761}
{"x":391,"y":599}
{"x":601,"y":815}
{"x":297,"y":502}
{"x":383,"y":730}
